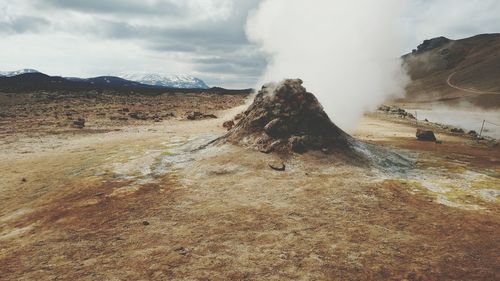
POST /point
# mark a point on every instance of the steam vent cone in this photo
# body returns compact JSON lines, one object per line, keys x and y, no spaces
{"x":285,"y":118}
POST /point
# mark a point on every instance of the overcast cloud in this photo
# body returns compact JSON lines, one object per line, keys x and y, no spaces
{"x":205,"y":38}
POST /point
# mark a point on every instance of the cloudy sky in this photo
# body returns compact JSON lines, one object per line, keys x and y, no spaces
{"x":205,"y":38}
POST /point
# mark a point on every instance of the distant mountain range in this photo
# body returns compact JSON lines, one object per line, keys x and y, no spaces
{"x":134,"y":79}
{"x":456,"y":71}
{"x":31,"y":80}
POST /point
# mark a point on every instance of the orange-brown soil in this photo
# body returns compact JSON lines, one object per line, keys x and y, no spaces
{"x":135,"y":204}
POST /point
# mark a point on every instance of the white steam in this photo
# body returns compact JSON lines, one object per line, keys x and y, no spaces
{"x":345,"y":51}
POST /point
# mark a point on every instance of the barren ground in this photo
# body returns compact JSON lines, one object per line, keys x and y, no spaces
{"x":130,"y":201}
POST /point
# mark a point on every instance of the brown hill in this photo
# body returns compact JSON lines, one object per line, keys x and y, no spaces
{"x":456,"y":71}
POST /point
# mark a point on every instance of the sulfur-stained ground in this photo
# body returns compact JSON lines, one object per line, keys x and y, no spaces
{"x":137,"y":204}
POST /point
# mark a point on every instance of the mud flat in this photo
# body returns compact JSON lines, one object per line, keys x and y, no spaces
{"x":139,"y":203}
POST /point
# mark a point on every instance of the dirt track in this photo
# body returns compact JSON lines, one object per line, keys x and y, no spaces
{"x":472,"y":91}
{"x":134,"y":204}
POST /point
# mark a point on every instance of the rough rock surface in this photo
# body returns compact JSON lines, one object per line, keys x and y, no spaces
{"x":457,"y":130}
{"x":431,"y":44}
{"x":228,"y":124}
{"x":79,"y":123}
{"x":425,"y":135}
{"x":394,"y":110}
{"x":285,"y":117}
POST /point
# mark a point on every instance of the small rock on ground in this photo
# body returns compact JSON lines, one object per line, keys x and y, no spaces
{"x":277,"y":166}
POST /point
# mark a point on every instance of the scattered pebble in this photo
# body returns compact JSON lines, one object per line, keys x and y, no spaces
{"x":181,"y":250}
{"x":277,"y":166}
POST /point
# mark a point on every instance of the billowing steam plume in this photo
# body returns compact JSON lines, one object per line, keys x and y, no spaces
{"x":346,"y":51}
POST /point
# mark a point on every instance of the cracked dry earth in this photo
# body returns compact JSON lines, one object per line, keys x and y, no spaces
{"x":138,"y":205}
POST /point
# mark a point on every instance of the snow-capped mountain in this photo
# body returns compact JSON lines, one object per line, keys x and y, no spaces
{"x":171,"y":81}
{"x":141,"y":80}
{"x":18,"y":72}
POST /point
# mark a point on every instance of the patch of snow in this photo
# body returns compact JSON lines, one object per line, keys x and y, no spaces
{"x":18,"y":72}
{"x":165,"y":80}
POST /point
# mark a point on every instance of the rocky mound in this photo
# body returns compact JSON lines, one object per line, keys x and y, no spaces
{"x":284,"y":118}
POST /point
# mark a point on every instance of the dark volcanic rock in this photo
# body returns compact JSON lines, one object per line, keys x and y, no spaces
{"x":238,"y":116}
{"x":425,"y":135}
{"x":473,"y":133}
{"x":193,"y":115}
{"x":209,"y":116}
{"x":298,"y":144}
{"x":79,"y":123}
{"x":431,"y":44}
{"x":394,"y":110}
{"x":277,"y":166}
{"x":285,"y":117}
{"x":228,"y":124}
{"x":138,"y":115}
{"x":457,"y":130}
